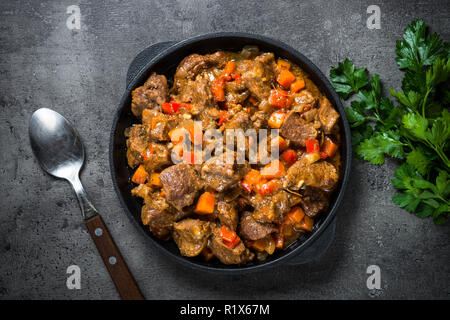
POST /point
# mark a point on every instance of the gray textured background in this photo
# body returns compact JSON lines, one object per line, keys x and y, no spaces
{"x":82,"y":74}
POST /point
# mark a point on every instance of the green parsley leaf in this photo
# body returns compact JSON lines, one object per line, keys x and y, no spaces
{"x":346,"y":79}
{"x":418,"y":160}
{"x":374,"y":148}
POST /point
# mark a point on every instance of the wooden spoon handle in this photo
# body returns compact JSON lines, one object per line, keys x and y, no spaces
{"x":117,"y":268}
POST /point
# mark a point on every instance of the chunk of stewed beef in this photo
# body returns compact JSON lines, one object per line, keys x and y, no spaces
{"x":297,"y":130}
{"x":194,"y":64}
{"x":237,"y":255}
{"x":156,"y":157}
{"x":198,"y":93}
{"x":137,"y":142}
{"x":258,"y":74}
{"x":241,"y":120}
{"x":158,"y":215}
{"x":236,"y":92}
{"x":227,"y":214}
{"x":303,"y":101}
{"x":150,"y":95}
{"x":159,"y":123}
{"x":314,"y":201}
{"x":320,"y":174}
{"x":251,"y":229}
{"x":220,"y":175}
{"x":273,"y":208}
{"x":181,"y":184}
{"x":191,"y":236}
{"x":328,"y":116}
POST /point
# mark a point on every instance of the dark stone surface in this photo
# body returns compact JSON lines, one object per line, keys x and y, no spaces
{"x":81,"y":74}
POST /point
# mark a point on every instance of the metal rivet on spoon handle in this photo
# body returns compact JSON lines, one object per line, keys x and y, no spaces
{"x":59,"y":150}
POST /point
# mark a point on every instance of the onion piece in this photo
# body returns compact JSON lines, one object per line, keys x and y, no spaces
{"x":312,"y":157}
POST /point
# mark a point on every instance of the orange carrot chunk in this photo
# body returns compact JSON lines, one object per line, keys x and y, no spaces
{"x":218,"y":90}
{"x":140,"y":175}
{"x":295,"y":215}
{"x":229,"y":68}
{"x":329,"y":147}
{"x":276,"y":119}
{"x":280,"y":142}
{"x":206,"y":203}
{"x":154,"y":180}
{"x":251,"y":179}
{"x":275,"y":169}
{"x":268,"y":187}
{"x":297,"y":85}
{"x":279,"y":98}
{"x":285,"y":78}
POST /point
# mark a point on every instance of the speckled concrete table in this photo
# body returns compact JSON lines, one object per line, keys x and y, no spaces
{"x":81,"y":74}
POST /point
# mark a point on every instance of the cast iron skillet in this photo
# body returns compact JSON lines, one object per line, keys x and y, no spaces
{"x":165,"y":63}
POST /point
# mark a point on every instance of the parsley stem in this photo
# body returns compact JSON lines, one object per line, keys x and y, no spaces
{"x":424,"y":102}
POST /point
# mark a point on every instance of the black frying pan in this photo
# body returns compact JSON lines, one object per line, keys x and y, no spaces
{"x":163,"y":59}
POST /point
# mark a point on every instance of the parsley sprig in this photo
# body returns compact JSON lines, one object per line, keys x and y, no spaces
{"x":415,"y":130}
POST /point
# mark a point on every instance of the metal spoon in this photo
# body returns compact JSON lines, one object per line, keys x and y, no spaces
{"x":59,"y":150}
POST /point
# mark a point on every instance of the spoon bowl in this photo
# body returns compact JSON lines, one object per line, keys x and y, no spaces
{"x":56,"y":144}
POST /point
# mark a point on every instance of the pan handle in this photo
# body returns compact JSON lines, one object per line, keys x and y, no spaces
{"x":144,"y":57}
{"x":117,"y":268}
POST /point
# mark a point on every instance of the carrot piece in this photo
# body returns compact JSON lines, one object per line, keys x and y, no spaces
{"x":276,"y":119}
{"x":268,"y":187}
{"x":282,"y":144}
{"x":285,"y":78}
{"x":229,"y":68}
{"x":289,"y":156}
{"x":206,"y":203}
{"x":275,"y":169}
{"x":154,"y":180}
{"x":218,"y":90}
{"x":297,"y":85}
{"x":283,"y":64}
{"x":306,"y":224}
{"x":295,"y":215}
{"x":279,"y":98}
{"x":329,"y":147}
{"x":251,"y":179}
{"x":140,"y":175}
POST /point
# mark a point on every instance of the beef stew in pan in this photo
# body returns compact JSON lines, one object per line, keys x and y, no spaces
{"x":244,"y":209}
